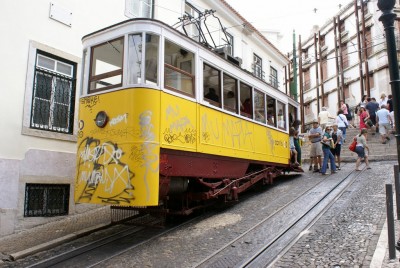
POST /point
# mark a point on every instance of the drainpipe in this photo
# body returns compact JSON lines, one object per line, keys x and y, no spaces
{"x":316,"y":72}
{"x":321,"y":69}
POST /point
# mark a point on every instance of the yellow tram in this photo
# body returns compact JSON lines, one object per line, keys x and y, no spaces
{"x":165,"y":121}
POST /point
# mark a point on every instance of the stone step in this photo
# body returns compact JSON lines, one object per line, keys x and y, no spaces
{"x":378,"y":151}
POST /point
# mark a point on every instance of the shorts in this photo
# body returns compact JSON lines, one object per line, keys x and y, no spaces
{"x":360,"y":151}
{"x":316,"y":149}
{"x":336,"y":150}
{"x":384,"y":128}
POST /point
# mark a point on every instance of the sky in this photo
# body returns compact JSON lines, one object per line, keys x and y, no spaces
{"x":288,"y":15}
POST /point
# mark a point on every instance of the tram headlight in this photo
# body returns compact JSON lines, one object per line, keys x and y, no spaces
{"x":101,"y":119}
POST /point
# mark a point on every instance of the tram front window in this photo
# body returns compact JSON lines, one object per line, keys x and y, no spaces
{"x":151,"y":61}
{"x":106,"y":65}
{"x":135,"y":58}
{"x":179,"y":69}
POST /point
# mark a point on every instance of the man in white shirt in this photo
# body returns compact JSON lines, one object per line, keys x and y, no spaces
{"x":383,"y":119}
{"x":323,"y":117}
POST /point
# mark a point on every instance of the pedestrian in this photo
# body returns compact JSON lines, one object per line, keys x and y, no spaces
{"x":293,"y":152}
{"x":296,"y":125}
{"x":326,"y":148}
{"x":342,"y":123}
{"x":364,"y":116}
{"x":315,"y":136}
{"x":389,"y":103}
{"x":383,"y":100}
{"x":323,"y":117}
{"x":360,"y":149}
{"x":372,"y":106}
{"x":337,"y":137}
{"x":384,"y":122}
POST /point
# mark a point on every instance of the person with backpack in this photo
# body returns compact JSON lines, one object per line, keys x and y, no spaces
{"x":342,"y":123}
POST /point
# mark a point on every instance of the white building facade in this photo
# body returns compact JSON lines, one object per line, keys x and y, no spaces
{"x":344,"y":60}
{"x":41,"y":68}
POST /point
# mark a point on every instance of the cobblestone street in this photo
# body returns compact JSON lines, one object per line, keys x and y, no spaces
{"x":346,"y":235}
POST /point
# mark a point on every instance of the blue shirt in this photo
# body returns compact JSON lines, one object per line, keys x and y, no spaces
{"x":314,"y":131}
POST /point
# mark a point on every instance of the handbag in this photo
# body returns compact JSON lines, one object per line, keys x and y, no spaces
{"x":329,"y":143}
{"x":368,"y":122}
{"x":352,"y":146}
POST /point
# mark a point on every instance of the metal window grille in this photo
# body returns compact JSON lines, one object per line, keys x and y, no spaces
{"x":46,"y":200}
{"x":53,"y":101}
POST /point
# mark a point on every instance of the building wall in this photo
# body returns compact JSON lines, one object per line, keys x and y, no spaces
{"x":377,"y":62}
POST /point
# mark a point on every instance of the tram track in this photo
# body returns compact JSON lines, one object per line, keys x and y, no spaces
{"x":99,"y":251}
{"x":261,"y":245}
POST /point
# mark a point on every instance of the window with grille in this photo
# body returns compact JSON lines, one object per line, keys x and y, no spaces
{"x":230,"y":44}
{"x":53,"y":94}
{"x":46,"y":200}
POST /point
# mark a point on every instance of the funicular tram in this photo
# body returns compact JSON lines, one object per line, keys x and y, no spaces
{"x":165,"y":122}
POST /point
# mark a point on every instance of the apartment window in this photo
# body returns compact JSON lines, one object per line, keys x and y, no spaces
{"x":307,"y":81}
{"x":307,"y":109}
{"x":139,"y":8}
{"x":346,"y":91}
{"x":324,"y":64}
{"x":345,"y":56}
{"x":230,"y":44}
{"x":368,"y":41}
{"x":273,"y":77}
{"x":53,"y":94}
{"x":46,"y":200}
{"x":257,"y":62}
{"x":192,"y":27}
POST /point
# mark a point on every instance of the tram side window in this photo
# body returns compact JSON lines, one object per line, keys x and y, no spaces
{"x":135,"y":58}
{"x":259,"y":106}
{"x":151,"y":61}
{"x":230,"y":93}
{"x":292,"y":115}
{"x":246,"y":100}
{"x":281,"y":115}
{"x":212,"y":85}
{"x":271,"y":111}
{"x":179,"y":69}
{"x":106,"y":65}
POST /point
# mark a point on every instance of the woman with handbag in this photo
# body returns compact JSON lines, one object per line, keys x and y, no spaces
{"x":364,"y":117}
{"x":360,"y":149}
{"x":327,"y":143}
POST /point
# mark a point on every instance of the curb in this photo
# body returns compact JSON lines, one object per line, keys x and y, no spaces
{"x":51,"y":244}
